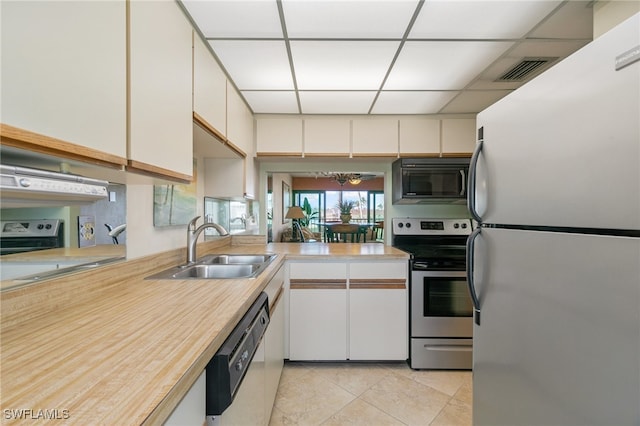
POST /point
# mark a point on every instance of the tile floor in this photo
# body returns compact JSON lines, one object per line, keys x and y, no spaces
{"x":371,"y":394}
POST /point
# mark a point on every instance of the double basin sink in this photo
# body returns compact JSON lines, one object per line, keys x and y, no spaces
{"x":219,"y":266}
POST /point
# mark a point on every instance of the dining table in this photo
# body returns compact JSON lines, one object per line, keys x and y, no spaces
{"x":346,"y":232}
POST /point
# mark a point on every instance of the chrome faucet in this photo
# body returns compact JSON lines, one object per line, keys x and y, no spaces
{"x":193,"y":233}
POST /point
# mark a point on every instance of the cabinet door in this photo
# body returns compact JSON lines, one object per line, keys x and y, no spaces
{"x":318,"y":311}
{"x":239,"y":122}
{"x":458,"y":136}
{"x":419,"y":137}
{"x":161,"y":117}
{"x":209,"y":89}
{"x":378,"y":311}
{"x":375,"y":136}
{"x":327,"y":136}
{"x":274,"y":353}
{"x":64,"y":73}
{"x":279,"y":136}
{"x":224,"y":177}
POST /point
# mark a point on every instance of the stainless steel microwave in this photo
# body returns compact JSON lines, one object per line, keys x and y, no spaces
{"x":430,"y":180}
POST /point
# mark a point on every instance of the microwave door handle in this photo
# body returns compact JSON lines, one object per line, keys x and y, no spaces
{"x":471,"y":194}
{"x":471,"y":243}
{"x":464,"y":182}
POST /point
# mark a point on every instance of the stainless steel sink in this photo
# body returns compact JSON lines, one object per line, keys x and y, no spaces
{"x":233,"y":259}
{"x":217,"y":271}
{"x":221,"y":266}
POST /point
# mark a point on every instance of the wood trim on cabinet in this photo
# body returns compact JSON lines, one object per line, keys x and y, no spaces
{"x":457,"y":154}
{"x":419,"y":155}
{"x":317,"y":284}
{"x":333,"y":155}
{"x":277,"y":298}
{"x":204,"y":124}
{"x":278,"y":154}
{"x":158,"y":172}
{"x":35,"y":142}
{"x":378,"y":284}
{"x":375,"y":155}
{"x":236,"y":149}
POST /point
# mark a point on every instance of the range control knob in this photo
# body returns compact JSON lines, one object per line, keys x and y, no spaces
{"x":40,"y":226}
{"x":25,"y":182}
{"x":456,"y":225}
{"x":400,"y":225}
{"x":464,"y":226}
{"x":408,"y":224}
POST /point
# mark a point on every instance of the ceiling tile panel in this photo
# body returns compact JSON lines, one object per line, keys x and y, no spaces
{"x":255,"y":65}
{"x":272,"y":102}
{"x":328,"y":102}
{"x":348,"y":19}
{"x":411,"y":102}
{"x":236,"y":18}
{"x":340,"y":53}
{"x":479,"y":19}
{"x":442,"y":65}
{"x":341,"y":65}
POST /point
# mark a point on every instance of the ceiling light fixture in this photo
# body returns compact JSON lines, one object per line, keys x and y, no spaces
{"x":342,"y":178}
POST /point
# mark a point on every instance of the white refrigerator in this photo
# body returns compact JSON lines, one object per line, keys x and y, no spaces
{"x":554,"y":265}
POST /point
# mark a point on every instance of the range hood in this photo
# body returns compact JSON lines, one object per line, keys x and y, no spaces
{"x":28,"y":187}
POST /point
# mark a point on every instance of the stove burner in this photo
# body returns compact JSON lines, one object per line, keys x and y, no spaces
{"x":434,"y":244}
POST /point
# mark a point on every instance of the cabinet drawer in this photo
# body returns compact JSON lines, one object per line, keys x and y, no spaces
{"x":379,"y":270}
{"x":318,"y":271}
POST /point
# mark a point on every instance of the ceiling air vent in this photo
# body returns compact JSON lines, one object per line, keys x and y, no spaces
{"x":526,"y":68}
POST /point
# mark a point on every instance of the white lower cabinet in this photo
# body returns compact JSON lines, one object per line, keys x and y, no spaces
{"x":274,"y":341}
{"x":348,"y":310}
{"x":378,"y":311}
{"x":318,"y":311}
{"x":191,"y":409}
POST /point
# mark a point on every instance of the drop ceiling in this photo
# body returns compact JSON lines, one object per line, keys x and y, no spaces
{"x":384,"y":56}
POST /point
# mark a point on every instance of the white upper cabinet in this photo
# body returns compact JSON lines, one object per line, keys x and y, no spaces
{"x":160,"y":68}
{"x":279,"y":136}
{"x":327,"y":136}
{"x":419,"y":136}
{"x":458,"y":136}
{"x":375,"y":136}
{"x":239,"y":122}
{"x":64,"y":72}
{"x":209,"y":89}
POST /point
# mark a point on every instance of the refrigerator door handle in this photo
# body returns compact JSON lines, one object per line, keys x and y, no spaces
{"x":471,"y":195}
{"x":472,"y":287}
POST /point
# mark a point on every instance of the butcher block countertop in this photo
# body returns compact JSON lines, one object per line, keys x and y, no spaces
{"x":108,"y":347}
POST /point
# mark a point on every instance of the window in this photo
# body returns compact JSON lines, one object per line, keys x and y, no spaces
{"x":369,"y":205}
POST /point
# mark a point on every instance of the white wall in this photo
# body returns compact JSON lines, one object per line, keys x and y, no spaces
{"x":142,"y":237}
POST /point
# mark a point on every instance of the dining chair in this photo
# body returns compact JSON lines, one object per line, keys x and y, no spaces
{"x":343,"y":232}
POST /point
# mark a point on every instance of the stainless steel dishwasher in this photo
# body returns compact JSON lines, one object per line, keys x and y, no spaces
{"x":231,"y":385}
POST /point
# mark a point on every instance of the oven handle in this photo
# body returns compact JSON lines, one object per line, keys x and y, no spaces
{"x":471,"y":193}
{"x":471,"y":242}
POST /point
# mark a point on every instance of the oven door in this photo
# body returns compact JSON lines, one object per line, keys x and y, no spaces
{"x":440,"y":305}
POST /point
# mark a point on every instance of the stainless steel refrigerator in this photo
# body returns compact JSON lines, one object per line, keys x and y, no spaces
{"x":554,"y":265}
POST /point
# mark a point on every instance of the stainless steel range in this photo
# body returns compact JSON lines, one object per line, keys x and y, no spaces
{"x":441,"y":323}
{"x":18,"y":236}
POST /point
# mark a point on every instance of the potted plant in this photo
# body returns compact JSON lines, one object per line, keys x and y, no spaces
{"x":345,"y":210}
